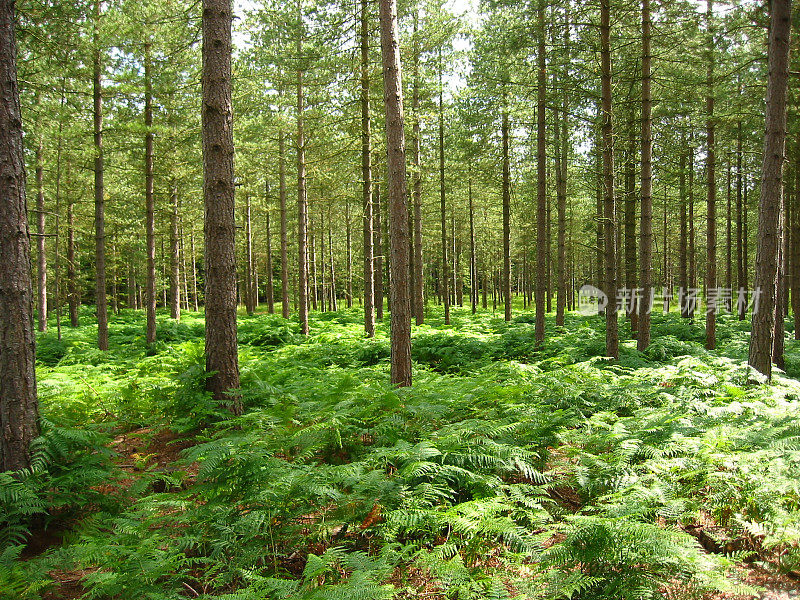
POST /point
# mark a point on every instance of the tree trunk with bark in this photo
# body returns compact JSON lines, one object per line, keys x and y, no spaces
{"x":646,"y":249}
{"x":174,"y":255}
{"x":609,"y":209}
{"x":398,"y":208}
{"x":366,"y":178}
{"x":542,"y":271}
{"x":19,"y":409}
{"x":222,"y":362}
{"x":149,"y":198}
{"x":506,"y":279}
{"x":761,"y":343}
{"x":711,"y":198}
{"x":302,"y":198}
{"x":99,"y":190}
{"x":41,"y":246}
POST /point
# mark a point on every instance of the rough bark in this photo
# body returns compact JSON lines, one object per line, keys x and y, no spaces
{"x":398,"y":209}
{"x":506,"y":279}
{"x":284,"y":230}
{"x":302,"y":199}
{"x":366,"y":179}
{"x":646,"y":247}
{"x":19,"y":411}
{"x":771,"y":188}
{"x":609,"y":209}
{"x":174,"y":256}
{"x":222,"y":362}
{"x":149,"y":198}
{"x":419,"y":281}
{"x":541,"y":183}
{"x":41,"y":246}
{"x":443,"y":202}
{"x":711,"y":197}
{"x":269,"y":285}
{"x":99,"y":189}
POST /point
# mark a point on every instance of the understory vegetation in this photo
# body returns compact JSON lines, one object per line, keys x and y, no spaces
{"x":506,"y":471}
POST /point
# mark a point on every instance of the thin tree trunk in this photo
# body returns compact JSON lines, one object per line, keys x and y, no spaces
{"x":711,"y":202}
{"x":248,"y":246}
{"x":302,"y":200}
{"x":419,"y":281}
{"x":683,"y":275}
{"x":73,"y":298}
{"x":728,"y":242}
{"x":194,"y":273}
{"x":398,"y":209}
{"x":473,"y":273}
{"x":99,"y":190}
{"x":740,"y":242}
{"x":284,"y":230}
{"x":370,"y":275}
{"x":609,"y":216}
{"x":174,"y":266}
{"x":646,"y":249}
{"x":149,"y":198}
{"x":761,"y":343}
{"x":332,"y":267}
{"x":443,"y":200}
{"x":349,"y":243}
{"x":542,"y":225}
{"x":632,"y":308}
{"x":780,"y":291}
{"x":41,"y":246}
{"x":269,"y":285}
{"x":505,"y":127}
{"x":561,"y":193}
{"x":19,"y":411}
{"x":222,"y":362}
{"x":377,"y":233}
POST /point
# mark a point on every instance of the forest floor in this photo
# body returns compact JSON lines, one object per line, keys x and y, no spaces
{"x":506,"y":471}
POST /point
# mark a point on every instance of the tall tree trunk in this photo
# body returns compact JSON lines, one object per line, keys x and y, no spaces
{"x":41,"y":246}
{"x":149,"y":197}
{"x":761,"y":343}
{"x":473,"y":272}
{"x":728,"y":242}
{"x":780,"y":291}
{"x":174,"y":258}
{"x":284,"y":229}
{"x":561,"y":115}
{"x":222,"y":361}
{"x":646,"y":251}
{"x":366,"y":180}
{"x":302,"y":199}
{"x":683,"y":275}
{"x":740,"y":264}
{"x":377,"y":244}
{"x":506,"y":279}
{"x":443,"y":200}
{"x":349,"y":243}
{"x":609,"y":209}
{"x":332,"y":267}
{"x":73,"y":298}
{"x":99,"y":191}
{"x":248,"y":251}
{"x":419,"y":281}
{"x":269,"y":285}
{"x":711,"y":202}
{"x":541,"y":182}
{"x":57,"y":256}
{"x":19,"y":409}
{"x":194,"y":273}
{"x":632,"y":309}
{"x":398,"y":209}
{"x":795,"y":249}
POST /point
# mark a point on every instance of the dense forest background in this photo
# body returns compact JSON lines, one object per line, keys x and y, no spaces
{"x":590,"y":213}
